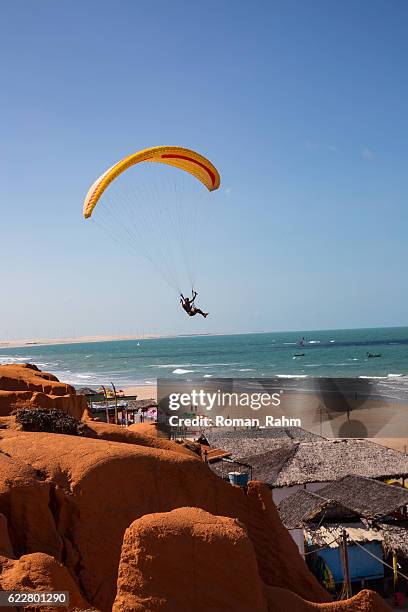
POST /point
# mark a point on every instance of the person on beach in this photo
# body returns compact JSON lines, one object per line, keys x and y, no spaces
{"x":187,"y":304}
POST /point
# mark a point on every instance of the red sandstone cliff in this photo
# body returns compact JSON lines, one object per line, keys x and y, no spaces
{"x":80,"y":495}
{"x":206,"y":563}
{"x":89,"y":492}
{"x":118,"y":517}
{"x":40,"y":572}
{"x":25,"y":386}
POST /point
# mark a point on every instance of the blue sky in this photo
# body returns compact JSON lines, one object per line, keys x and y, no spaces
{"x":302,"y":107}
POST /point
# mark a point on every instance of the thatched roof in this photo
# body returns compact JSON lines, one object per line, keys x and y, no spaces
{"x":351,"y":495}
{"x":130,"y":404}
{"x":328,"y":460}
{"x":268,"y":465}
{"x":365,"y":496}
{"x":395,"y":538}
{"x":253,"y":441}
{"x":285,"y":462}
{"x":301,"y":507}
{"x":142,"y":404}
{"x":265,"y":449}
{"x":87,"y":391}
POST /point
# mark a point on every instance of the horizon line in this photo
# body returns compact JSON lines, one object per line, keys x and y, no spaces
{"x":23,"y":343}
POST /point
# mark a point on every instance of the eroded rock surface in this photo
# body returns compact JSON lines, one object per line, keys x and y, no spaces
{"x":97,"y":488}
{"x":25,"y":386}
{"x":40,"y":572}
{"x":99,"y":513}
{"x":200,"y":559}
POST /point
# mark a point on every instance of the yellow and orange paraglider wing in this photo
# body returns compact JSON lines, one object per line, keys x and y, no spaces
{"x":185,"y":159}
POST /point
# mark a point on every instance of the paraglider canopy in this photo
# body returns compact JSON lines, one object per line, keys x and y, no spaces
{"x":185,"y":159}
{"x":158,"y":211}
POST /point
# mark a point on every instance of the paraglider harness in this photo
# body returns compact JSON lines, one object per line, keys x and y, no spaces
{"x":184,"y":301}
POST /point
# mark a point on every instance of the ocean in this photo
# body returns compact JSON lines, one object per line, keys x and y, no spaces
{"x":328,"y":353}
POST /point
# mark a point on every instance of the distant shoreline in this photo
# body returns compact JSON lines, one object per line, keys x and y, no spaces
{"x":5,"y":344}
{"x":11,"y":344}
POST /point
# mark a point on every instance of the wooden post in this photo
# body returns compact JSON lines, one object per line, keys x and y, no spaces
{"x":346,"y":567}
{"x":116,"y":403}
{"x":106,"y":404}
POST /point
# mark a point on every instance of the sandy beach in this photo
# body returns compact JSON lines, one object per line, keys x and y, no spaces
{"x":21,"y":343}
{"x":77,"y":340}
{"x":399,"y":444}
{"x":142,"y":391}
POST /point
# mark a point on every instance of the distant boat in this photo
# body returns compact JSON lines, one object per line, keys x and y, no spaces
{"x":301,"y":342}
{"x":299,"y":355}
{"x":373,"y":355}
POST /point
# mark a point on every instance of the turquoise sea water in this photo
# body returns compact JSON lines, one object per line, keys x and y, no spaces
{"x":341,"y":353}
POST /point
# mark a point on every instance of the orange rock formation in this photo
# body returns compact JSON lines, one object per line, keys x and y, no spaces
{"x":282,"y":600}
{"x":206,"y":563}
{"x":25,"y":386}
{"x":107,"y":431}
{"x":66,"y":503}
{"x":40,"y":572}
{"x":147,"y":429}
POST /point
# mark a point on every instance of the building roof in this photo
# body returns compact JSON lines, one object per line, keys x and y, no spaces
{"x":285,"y":462}
{"x":365,"y":496}
{"x":268,"y":465}
{"x":252,"y":441}
{"x":142,"y":403}
{"x":301,"y":507}
{"x":211,"y":454}
{"x":357,"y":495}
{"x":328,"y":460}
{"x":395,"y":538}
{"x":266,"y":450}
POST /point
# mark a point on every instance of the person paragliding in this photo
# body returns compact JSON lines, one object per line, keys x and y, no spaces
{"x":187,"y":304}
{"x":152,"y":219}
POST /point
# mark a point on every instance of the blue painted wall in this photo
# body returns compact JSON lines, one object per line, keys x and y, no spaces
{"x":362,"y":565}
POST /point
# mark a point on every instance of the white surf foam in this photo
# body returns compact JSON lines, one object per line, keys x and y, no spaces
{"x":10,"y":359}
{"x":375,"y":377}
{"x":291,"y":375}
{"x":331,"y":365}
{"x":189,"y":365}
